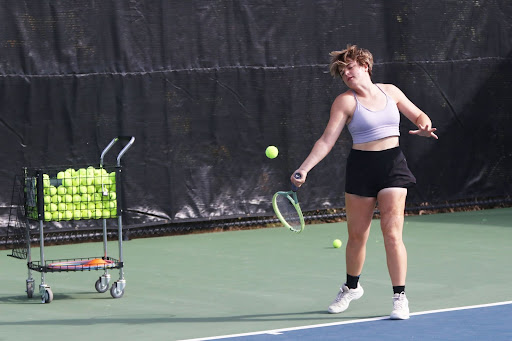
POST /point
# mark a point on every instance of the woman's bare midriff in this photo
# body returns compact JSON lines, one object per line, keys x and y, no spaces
{"x":375,"y":146}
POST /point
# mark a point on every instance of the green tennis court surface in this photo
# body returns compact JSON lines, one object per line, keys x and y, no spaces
{"x":205,"y":285}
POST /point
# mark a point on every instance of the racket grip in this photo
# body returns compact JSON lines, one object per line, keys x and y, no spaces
{"x":296,"y":176}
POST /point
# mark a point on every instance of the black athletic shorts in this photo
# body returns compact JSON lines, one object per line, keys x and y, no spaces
{"x":368,"y":172}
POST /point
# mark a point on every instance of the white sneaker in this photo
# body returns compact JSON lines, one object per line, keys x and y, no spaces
{"x":345,"y":295}
{"x":400,"y":307}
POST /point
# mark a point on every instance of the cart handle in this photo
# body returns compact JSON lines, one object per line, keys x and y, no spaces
{"x":130,"y":140}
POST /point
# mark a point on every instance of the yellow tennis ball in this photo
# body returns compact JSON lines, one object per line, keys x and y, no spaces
{"x":52,"y":190}
{"x":97,"y":214}
{"x":105,"y":213}
{"x":271,"y":152}
{"x":68,"y":215}
{"x":86,"y":197}
{"x":86,"y":214}
{"x":61,"y":190}
{"x":57,"y":216}
{"x":336,"y":243}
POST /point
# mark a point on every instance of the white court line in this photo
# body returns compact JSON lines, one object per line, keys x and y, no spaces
{"x":280,"y":331}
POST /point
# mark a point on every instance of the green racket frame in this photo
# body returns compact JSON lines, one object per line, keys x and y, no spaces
{"x":292,"y":196}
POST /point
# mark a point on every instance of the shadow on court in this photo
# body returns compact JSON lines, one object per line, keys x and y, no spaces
{"x":172,"y":319}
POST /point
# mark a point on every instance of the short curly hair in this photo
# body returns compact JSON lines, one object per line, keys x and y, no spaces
{"x":351,"y":53}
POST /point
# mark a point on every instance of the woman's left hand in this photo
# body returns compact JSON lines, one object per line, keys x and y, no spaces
{"x":425,"y":131}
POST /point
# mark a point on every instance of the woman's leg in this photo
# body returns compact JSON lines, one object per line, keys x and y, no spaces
{"x":359,"y":217}
{"x":391,"y":203}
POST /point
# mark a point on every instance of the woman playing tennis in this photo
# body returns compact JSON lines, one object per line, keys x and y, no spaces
{"x":376,"y":172}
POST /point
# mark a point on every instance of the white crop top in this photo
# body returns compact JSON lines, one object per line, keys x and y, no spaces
{"x":367,"y":125}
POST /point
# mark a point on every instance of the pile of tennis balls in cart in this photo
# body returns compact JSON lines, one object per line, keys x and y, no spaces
{"x":86,"y":193}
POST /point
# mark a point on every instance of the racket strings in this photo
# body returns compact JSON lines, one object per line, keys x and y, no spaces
{"x":288,"y":211}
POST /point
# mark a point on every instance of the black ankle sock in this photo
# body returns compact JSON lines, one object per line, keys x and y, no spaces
{"x":352,"y":281}
{"x":398,"y":289}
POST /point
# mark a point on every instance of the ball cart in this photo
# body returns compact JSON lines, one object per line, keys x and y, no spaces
{"x":66,"y":194}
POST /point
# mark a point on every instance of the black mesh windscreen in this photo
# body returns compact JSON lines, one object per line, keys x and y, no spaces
{"x":206,"y":86}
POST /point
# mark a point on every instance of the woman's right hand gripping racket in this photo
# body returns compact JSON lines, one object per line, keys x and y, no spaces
{"x":287,"y":208}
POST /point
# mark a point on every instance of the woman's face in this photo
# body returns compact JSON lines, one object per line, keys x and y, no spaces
{"x":353,"y":73}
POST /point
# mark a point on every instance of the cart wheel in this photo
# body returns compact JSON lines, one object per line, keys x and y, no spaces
{"x":47,"y":296}
{"x":115,"y":292}
{"x":99,"y":287}
{"x":30,"y":289}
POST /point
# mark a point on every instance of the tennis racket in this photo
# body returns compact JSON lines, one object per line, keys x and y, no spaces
{"x":287,"y":208}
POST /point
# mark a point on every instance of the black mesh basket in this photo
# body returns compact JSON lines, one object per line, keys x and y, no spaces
{"x":64,"y":193}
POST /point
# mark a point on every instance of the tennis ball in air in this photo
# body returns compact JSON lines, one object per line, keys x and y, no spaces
{"x":336,"y":243}
{"x":271,"y":152}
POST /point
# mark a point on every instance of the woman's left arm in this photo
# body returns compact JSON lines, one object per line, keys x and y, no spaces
{"x":412,"y":112}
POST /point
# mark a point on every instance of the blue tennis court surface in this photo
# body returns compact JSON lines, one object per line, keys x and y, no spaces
{"x":484,"y":322}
